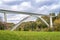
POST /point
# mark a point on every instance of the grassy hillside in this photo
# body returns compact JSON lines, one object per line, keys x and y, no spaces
{"x":21,"y":35}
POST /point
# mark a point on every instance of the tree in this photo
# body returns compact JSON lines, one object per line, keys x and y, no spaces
{"x":57,"y":24}
{"x":1,"y":24}
{"x":26,"y":26}
{"x":58,"y":15}
{"x":40,"y":25}
{"x":2,"y":27}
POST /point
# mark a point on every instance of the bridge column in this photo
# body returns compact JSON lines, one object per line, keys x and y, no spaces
{"x":5,"y":17}
{"x":5,"y":21}
{"x":51,"y":24}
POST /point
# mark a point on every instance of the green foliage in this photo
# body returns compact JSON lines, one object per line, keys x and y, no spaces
{"x":1,"y":26}
{"x":28,"y":26}
{"x":58,"y":15}
{"x":21,"y":35}
{"x":57,"y":25}
{"x":40,"y":24}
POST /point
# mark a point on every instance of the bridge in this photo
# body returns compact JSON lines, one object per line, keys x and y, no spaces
{"x":27,"y":13}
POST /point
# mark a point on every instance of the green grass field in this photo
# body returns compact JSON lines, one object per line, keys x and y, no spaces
{"x":21,"y":35}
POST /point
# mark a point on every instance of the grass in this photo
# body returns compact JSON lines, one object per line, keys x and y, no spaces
{"x":21,"y":35}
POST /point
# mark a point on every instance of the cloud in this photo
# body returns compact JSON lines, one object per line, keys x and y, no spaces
{"x":22,"y":7}
{"x":40,"y":1}
{"x":30,"y":6}
{"x":11,"y":2}
{"x":0,"y":2}
{"x":48,"y":9}
{"x":8,"y":0}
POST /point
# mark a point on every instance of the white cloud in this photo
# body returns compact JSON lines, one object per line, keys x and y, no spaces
{"x":1,"y":2}
{"x":43,"y":10}
{"x":14,"y":7}
{"x":8,"y":0}
{"x":47,"y":9}
{"x":25,"y":5}
{"x":55,"y":6}
{"x":22,"y":7}
{"x":37,"y":1}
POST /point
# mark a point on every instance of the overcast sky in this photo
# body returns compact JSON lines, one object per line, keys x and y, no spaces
{"x":37,"y":6}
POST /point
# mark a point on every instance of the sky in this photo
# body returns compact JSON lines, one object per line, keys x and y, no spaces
{"x":37,"y":6}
